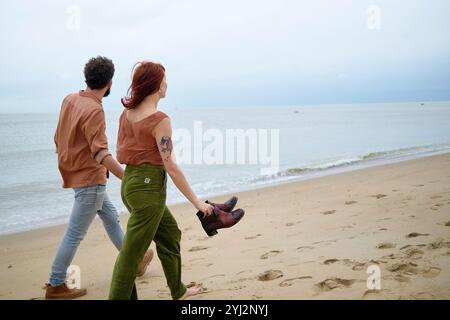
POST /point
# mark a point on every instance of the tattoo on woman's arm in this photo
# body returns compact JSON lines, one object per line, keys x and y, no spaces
{"x":166,"y":147}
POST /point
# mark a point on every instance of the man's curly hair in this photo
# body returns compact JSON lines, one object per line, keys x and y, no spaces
{"x":98,"y":71}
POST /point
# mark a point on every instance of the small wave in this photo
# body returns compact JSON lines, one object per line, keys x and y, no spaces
{"x":406,"y":151}
{"x":323,"y":166}
{"x":345,"y":162}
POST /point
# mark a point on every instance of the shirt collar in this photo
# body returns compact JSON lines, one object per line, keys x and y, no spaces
{"x":89,"y":94}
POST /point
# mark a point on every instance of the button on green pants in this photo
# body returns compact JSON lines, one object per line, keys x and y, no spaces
{"x":143,"y":192}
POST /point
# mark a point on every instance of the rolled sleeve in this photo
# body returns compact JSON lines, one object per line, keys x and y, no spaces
{"x":101,"y":155}
{"x":94,"y":130}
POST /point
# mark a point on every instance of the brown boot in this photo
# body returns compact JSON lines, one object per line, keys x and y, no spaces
{"x":62,"y":292}
{"x":219,"y":219}
{"x":148,"y":256}
{"x":226,"y":206}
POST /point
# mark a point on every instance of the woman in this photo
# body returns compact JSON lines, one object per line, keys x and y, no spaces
{"x":144,"y":144}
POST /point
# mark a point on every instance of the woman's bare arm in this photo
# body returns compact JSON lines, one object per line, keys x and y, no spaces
{"x":163,"y":136}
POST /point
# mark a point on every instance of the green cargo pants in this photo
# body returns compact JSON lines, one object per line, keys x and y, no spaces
{"x":143,"y":192}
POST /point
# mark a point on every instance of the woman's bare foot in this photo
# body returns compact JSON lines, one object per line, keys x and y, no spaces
{"x":192,"y":291}
{"x":142,"y":267}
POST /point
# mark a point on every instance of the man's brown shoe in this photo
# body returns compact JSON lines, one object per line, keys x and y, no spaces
{"x":62,"y":292}
{"x":148,"y":256}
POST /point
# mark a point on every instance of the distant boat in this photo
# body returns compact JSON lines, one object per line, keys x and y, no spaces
{"x":422,"y":104}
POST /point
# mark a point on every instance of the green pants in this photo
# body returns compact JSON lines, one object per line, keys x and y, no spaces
{"x":143,"y":192}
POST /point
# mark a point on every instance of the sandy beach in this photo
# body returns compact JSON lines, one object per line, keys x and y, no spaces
{"x":311,"y":239}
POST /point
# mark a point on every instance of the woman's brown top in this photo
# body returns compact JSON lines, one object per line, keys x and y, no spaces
{"x":135,"y":141}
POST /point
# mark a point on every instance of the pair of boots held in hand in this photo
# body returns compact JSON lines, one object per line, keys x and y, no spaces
{"x":222,"y":216}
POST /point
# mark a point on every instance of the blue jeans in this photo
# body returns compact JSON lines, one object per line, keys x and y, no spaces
{"x":89,"y":201}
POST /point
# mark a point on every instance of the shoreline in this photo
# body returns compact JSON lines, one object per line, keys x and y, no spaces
{"x":314,"y":174}
{"x":309,"y":239}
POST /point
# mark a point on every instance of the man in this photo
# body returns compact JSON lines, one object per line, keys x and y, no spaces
{"x":84,"y":162}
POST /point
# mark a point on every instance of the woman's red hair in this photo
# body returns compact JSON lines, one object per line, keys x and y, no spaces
{"x":146,"y":80}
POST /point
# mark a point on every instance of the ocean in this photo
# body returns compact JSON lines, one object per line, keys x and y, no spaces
{"x":301,"y":142}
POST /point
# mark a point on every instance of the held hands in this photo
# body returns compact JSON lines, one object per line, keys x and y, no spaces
{"x":204,"y":207}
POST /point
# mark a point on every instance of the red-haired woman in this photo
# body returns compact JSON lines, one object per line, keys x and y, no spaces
{"x":144,"y":144}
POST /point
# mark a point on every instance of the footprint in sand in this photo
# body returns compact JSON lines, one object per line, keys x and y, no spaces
{"x":378,"y":196}
{"x":435,"y":197}
{"x":418,"y":185}
{"x":371,"y":294}
{"x":437,"y":244}
{"x":407,"y":252}
{"x":416,"y":234}
{"x":243,"y":271}
{"x":356,"y":265}
{"x":436,"y":206}
{"x":216,"y":275}
{"x":330,"y":261}
{"x":405,"y":268}
{"x":327,"y":242}
{"x":290,"y":282}
{"x":269,"y":254}
{"x":196,"y":259}
{"x":328,"y":212}
{"x":333,"y":283}
{"x":431,"y":272}
{"x":423,"y":296}
{"x":386,"y":245}
{"x":198,"y":248}
{"x":253,"y":237}
{"x":270,"y":275}
{"x":410,"y":269}
{"x":413,"y":253}
{"x":447,"y":224}
{"x":350,"y":202}
{"x":401,"y":278}
{"x":202,"y":238}
{"x":304,"y":247}
{"x":408,"y":246}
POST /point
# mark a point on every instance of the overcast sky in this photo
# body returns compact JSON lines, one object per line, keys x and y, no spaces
{"x":230,"y":52}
